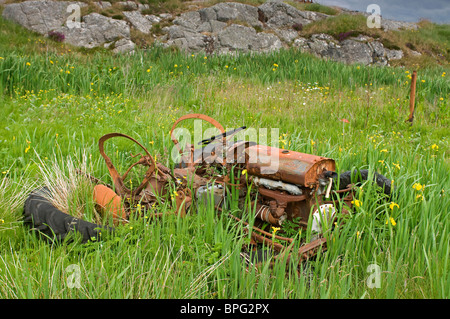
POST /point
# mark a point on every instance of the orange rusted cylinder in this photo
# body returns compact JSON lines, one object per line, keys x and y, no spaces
{"x":287,"y":166}
{"x":109,"y":202}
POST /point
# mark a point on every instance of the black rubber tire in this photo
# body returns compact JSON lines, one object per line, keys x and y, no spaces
{"x":359,"y":176}
{"x":43,"y":217}
{"x":355,"y":176}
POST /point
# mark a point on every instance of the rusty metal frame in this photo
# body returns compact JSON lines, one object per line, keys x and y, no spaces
{"x":271,"y":205}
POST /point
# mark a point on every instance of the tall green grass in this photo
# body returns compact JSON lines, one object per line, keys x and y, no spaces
{"x":53,"y":117}
{"x":144,"y":72}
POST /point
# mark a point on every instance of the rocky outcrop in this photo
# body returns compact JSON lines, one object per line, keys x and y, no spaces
{"x":226,"y":27}
{"x":360,"y":49}
{"x":93,"y":30}
{"x":237,"y":27}
{"x":277,"y":14}
{"x":39,"y":16}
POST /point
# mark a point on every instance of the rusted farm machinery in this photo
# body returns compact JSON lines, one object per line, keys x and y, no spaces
{"x":285,"y":186}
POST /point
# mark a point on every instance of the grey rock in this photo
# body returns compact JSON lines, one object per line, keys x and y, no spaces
{"x":139,"y":21}
{"x":361,"y":38}
{"x":237,"y":37}
{"x":387,"y":24}
{"x":165,"y":16}
{"x":40,"y":16}
{"x":286,"y":35}
{"x":318,"y":47}
{"x":301,"y":43}
{"x":189,"y":20}
{"x":208,"y":14}
{"x":231,"y":11}
{"x":103,"y":4}
{"x":128,"y":4}
{"x":193,"y":43}
{"x":142,"y":6}
{"x":153,"y":19}
{"x":244,"y":39}
{"x":212,"y":26}
{"x":45,"y":16}
{"x":266,"y":42}
{"x":323,"y":36}
{"x":177,"y":31}
{"x":124,"y":46}
{"x":394,"y":54}
{"x":352,"y":51}
{"x":133,"y":5}
{"x":378,"y":49}
{"x":279,"y":14}
{"x":95,"y":30}
{"x":217,"y":26}
{"x":313,"y":16}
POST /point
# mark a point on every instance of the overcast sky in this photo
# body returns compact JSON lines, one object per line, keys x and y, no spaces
{"x":412,"y":10}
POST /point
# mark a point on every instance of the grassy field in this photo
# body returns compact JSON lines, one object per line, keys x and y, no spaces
{"x":56,"y":102}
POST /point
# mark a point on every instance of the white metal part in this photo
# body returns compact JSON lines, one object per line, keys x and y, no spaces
{"x":327,"y":194}
{"x":214,"y":192}
{"x":270,"y":184}
{"x":322,"y":218}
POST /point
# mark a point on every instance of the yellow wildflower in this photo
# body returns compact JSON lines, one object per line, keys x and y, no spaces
{"x":392,"y":205}
{"x":417,"y":186}
{"x":28,"y":147}
{"x":356,"y":202}
{"x":435,"y":147}
{"x":392,"y":220}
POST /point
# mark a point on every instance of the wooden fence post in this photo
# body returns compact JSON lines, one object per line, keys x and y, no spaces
{"x":412,"y":97}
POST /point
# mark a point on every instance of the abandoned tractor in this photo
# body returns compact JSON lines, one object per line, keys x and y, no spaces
{"x":278,"y":186}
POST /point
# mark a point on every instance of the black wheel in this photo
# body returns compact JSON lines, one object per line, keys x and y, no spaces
{"x":44,"y":218}
{"x":359,"y":176}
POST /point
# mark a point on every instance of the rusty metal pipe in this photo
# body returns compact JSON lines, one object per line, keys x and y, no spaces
{"x":290,"y":240}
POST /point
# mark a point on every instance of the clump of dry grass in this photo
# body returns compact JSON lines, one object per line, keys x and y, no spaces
{"x":13,"y":193}
{"x":68,"y":190}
